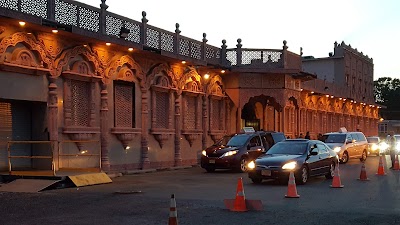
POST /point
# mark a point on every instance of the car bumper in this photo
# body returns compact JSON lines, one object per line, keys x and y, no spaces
{"x":269,"y":174}
{"x":219,"y":163}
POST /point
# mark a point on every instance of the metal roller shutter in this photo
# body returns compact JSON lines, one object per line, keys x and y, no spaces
{"x":5,"y":133}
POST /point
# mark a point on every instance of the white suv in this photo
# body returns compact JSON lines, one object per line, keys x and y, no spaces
{"x":347,"y":144}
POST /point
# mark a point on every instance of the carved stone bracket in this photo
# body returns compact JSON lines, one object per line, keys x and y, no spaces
{"x":126,"y":135}
{"x":81,"y":134}
{"x":191,"y":135}
{"x":216,"y":134}
{"x":162,"y":135}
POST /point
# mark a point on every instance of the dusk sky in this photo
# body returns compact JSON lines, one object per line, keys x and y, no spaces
{"x":371,"y":26}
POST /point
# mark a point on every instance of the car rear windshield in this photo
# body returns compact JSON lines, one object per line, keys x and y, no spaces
{"x":334,"y":138}
{"x":238,"y":140}
{"x":288,"y":148}
{"x":372,"y":139}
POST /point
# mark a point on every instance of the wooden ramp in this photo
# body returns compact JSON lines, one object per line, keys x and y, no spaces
{"x":90,"y":179}
{"x":27,"y":185}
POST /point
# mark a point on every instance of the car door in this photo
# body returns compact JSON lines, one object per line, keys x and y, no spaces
{"x":350,"y":147}
{"x":255,"y":147}
{"x":312,"y":160}
{"x":324,"y":158}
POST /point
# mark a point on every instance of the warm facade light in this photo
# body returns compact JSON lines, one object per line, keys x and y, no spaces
{"x":332,"y":96}
{"x":340,"y":98}
{"x":381,"y":119}
{"x":301,"y":89}
{"x":327,"y":96}
{"x":130,"y":49}
{"x":22,"y":23}
{"x":312,"y":92}
{"x":206,"y":76}
{"x":108,"y":43}
{"x":183,"y":62}
{"x":222,"y":71}
{"x":55,"y":31}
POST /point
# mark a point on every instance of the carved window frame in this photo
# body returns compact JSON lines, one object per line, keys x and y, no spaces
{"x":162,"y":85}
{"x":80,"y":73}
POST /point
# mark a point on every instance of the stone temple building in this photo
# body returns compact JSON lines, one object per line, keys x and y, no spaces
{"x":84,"y":89}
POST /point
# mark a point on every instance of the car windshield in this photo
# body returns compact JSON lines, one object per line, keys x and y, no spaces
{"x":237,"y":140}
{"x":372,"y":139}
{"x":223,"y":141}
{"x":333,"y":138}
{"x":288,"y":148}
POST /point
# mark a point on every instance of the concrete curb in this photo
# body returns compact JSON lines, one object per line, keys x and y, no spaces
{"x":132,"y":172}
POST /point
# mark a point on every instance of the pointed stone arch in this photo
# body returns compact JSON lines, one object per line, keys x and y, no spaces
{"x":191,"y":81}
{"x":87,"y":53}
{"x":156,"y":74}
{"x":215,"y":87}
{"x":114,"y":68}
{"x":30,"y":42}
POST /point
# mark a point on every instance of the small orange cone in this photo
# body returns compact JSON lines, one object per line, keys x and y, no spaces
{"x":292,"y":191}
{"x":173,"y":216}
{"x":396,"y":163}
{"x":240,"y":203}
{"x":381,"y":170}
{"x":363,"y":174}
{"x":336,"y":183}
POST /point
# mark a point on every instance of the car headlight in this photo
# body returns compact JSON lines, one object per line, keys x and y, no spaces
{"x":337,"y":149}
{"x":374,"y":147}
{"x":289,"y":166}
{"x":204,"y":152}
{"x":230,"y":153}
{"x":383,"y":146}
{"x":251,"y":165}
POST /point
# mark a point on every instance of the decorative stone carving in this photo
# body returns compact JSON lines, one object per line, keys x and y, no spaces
{"x":126,"y":135}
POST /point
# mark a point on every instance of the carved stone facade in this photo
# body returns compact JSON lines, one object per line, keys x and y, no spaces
{"x":109,"y":108}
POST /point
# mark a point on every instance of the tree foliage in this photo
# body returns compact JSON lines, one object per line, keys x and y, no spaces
{"x":387,"y":92}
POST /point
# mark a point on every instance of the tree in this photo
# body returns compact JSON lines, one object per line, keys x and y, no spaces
{"x":387,"y":93}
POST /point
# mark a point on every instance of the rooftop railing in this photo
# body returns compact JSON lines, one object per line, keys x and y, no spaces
{"x":86,"y":20}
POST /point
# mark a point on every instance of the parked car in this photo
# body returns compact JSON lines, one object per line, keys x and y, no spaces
{"x":238,"y":150}
{"x":347,"y":144}
{"x":305,"y":157}
{"x":374,"y":144}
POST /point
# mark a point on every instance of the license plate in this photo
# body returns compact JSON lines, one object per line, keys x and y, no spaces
{"x":266,"y":172}
{"x":211,"y":161}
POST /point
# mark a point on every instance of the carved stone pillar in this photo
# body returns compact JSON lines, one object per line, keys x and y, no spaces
{"x":205,"y":124}
{"x":105,"y":161}
{"x":178,"y":127}
{"x":144,"y":136}
{"x":52,"y":119}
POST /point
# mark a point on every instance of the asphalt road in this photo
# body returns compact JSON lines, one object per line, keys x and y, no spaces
{"x":145,"y":199}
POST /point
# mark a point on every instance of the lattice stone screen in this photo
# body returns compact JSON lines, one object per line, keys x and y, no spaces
{"x":190,"y":114}
{"x":162,"y":109}
{"x":215,"y":115}
{"x":124,"y":106}
{"x":80,"y":102}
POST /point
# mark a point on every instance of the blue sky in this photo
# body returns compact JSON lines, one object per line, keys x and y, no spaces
{"x":371,"y":26}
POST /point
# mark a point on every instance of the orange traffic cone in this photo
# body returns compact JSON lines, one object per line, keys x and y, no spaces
{"x":381,"y":170}
{"x":292,"y":191}
{"x":336,"y":183}
{"x":173,"y":217}
{"x":396,"y":163}
{"x":240,"y":203}
{"x":363,"y":174}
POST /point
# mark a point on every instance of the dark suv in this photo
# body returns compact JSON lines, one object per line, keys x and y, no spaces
{"x":235,"y":151}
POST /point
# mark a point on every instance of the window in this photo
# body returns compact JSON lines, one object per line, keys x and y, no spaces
{"x":124,"y":104}
{"x":382,"y":128}
{"x":80,"y":102}
{"x":255,"y":141}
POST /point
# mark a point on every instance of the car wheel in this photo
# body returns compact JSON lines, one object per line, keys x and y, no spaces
{"x":345,"y":157}
{"x":303,"y":175}
{"x":256,"y":180}
{"x":331,"y":172}
{"x":363,"y":156}
{"x":210,"y":170}
{"x":243,"y":165}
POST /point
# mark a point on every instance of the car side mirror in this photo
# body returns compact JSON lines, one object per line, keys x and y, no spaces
{"x":349,"y":141}
{"x":313,"y":152}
